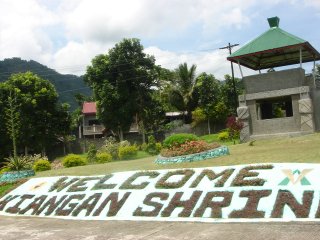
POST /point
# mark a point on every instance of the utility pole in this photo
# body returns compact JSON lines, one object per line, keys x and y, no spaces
{"x":229,"y":47}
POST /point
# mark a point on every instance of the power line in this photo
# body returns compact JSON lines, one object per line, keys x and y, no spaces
{"x":229,"y":47}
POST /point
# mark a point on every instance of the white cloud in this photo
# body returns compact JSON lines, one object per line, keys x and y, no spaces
{"x":22,"y":32}
{"x":75,"y":57}
{"x":214,"y":62}
{"x":91,"y":27}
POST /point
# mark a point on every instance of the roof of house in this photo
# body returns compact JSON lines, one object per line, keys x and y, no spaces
{"x":274,"y":48}
{"x":89,"y":108}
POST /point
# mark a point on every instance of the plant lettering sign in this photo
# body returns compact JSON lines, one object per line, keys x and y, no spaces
{"x":257,"y":192}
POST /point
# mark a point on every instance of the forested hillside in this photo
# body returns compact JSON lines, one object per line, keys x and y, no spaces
{"x":67,"y":85}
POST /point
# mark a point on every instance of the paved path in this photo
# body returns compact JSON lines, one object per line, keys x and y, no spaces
{"x":57,"y":229}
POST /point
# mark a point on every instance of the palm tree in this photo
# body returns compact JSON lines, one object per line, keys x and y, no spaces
{"x":181,"y":95}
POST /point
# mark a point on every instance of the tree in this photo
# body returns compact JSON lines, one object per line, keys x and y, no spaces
{"x":209,"y":95}
{"x":228,"y":93}
{"x":42,"y":118}
{"x":12,"y":119}
{"x":181,"y":95}
{"x":122,"y":82}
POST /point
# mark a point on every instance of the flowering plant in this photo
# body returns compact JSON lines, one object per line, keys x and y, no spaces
{"x":189,"y":147}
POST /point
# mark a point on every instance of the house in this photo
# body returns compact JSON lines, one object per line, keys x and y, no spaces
{"x":91,"y":126}
{"x":281,"y":102}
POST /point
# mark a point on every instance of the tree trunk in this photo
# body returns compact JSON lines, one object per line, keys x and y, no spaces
{"x":26,"y":150}
{"x":209,"y":129}
{"x":120,"y":134}
{"x":64,"y":149}
{"x":43,"y":151}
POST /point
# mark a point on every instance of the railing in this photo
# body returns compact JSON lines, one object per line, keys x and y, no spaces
{"x":92,"y":130}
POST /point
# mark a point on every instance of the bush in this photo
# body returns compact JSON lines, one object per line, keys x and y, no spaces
{"x":190,"y":147}
{"x":4,"y":170}
{"x":128,"y":152}
{"x":223,"y":136}
{"x":153,"y":147}
{"x":178,"y":139}
{"x":143,"y":147}
{"x":92,"y":153}
{"x":103,"y":157}
{"x":234,"y":126}
{"x":41,"y":165}
{"x":18,"y":163}
{"x":73,"y":160}
{"x":111,"y":146}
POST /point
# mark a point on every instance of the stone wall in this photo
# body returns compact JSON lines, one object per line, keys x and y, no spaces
{"x":305,"y":100}
{"x":291,"y":78}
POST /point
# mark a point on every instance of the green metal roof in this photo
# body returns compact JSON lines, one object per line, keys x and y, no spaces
{"x":274,"y":48}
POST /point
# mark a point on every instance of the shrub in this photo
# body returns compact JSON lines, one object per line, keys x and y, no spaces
{"x":18,"y":163}
{"x":234,"y":126}
{"x":190,"y":147}
{"x":92,"y":153}
{"x":128,"y":152}
{"x":178,"y":139}
{"x":103,"y":157}
{"x":111,"y":146}
{"x":41,"y":165}
{"x":4,"y":170}
{"x":153,"y":147}
{"x":73,"y":160}
{"x":143,"y":147}
{"x":124,"y":143}
{"x":223,"y":136}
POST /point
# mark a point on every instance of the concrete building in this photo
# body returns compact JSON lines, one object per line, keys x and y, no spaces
{"x":282,"y":102}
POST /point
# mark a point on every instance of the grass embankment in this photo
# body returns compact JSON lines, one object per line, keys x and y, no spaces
{"x":304,"y":149}
{"x":7,"y":187}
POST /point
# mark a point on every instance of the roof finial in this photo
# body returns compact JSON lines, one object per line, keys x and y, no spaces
{"x":274,"y":22}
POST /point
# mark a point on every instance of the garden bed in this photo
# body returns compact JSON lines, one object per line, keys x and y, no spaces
{"x":14,"y":176}
{"x":213,"y":153}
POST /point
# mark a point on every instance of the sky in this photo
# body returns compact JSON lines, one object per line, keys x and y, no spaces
{"x":66,"y":34}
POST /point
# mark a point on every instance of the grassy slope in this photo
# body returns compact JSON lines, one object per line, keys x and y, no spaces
{"x":299,"y":149}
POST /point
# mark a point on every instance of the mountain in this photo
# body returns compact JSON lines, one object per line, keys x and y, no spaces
{"x":67,"y":85}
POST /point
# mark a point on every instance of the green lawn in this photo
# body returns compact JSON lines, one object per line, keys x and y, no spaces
{"x":6,"y":187}
{"x":214,"y":138}
{"x":298,"y":149}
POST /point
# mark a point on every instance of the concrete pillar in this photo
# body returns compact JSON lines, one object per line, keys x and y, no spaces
{"x":244,"y":115}
{"x":306,"y":114}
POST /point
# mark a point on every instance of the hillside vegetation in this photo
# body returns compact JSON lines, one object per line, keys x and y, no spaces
{"x":63,"y":83}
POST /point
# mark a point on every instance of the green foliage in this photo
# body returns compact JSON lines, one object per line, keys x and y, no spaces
{"x":228,"y":92}
{"x":198,"y":116}
{"x":181,"y":95}
{"x":12,"y":119}
{"x":92,"y":153}
{"x":43,"y":117}
{"x":143,"y":146}
{"x":18,"y":163}
{"x":153,"y":147}
{"x":223,"y":136}
{"x":178,"y":139}
{"x":73,"y":160}
{"x":41,"y":165}
{"x":172,"y":125}
{"x":103,"y":157}
{"x":128,"y":152}
{"x":111,"y":146}
{"x":108,"y":76}
{"x":4,"y":170}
